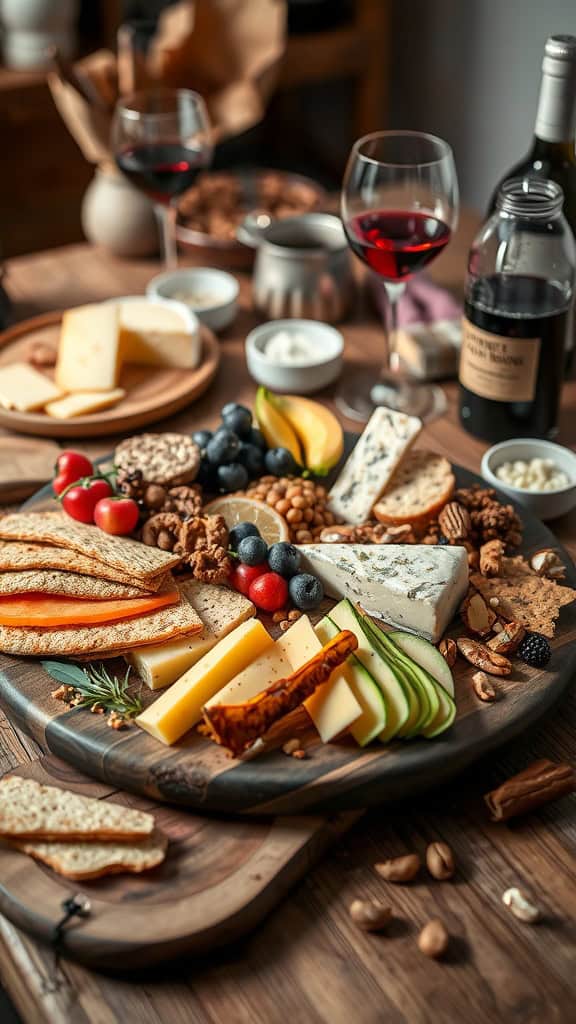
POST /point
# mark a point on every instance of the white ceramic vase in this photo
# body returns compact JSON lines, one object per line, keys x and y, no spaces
{"x":118,"y":216}
{"x":32,"y":28}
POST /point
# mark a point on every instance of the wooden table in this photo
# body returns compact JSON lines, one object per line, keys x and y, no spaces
{"x":308,"y":962}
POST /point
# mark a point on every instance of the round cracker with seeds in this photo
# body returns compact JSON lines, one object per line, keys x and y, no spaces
{"x":166,"y":459}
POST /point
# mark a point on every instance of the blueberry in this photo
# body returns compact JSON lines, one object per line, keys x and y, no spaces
{"x":252,"y":550}
{"x":222,"y":448}
{"x":281,"y":462}
{"x":207,"y":476}
{"x":240,"y":531}
{"x":201,"y":437}
{"x":232,"y":477}
{"x":251,"y":457}
{"x":306,"y":591}
{"x":284,"y":559}
{"x":238,"y":419}
{"x":257,"y":437}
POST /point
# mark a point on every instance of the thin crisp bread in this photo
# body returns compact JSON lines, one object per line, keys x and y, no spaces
{"x":177,"y":620}
{"x":85,"y":860}
{"x":66,"y":584}
{"x":217,"y":606}
{"x":19,"y":556}
{"x":129,"y":556}
{"x":30,"y":810}
{"x":525,"y":597}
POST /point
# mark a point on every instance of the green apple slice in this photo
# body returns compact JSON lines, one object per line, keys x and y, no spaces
{"x":446,"y":713}
{"x":417,"y":676}
{"x":368,"y":694}
{"x":427,"y":656}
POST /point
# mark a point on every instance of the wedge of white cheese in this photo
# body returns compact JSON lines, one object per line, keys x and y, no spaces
{"x":415,"y":586}
{"x":386,"y":438}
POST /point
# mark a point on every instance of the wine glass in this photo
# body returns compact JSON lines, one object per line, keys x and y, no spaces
{"x":399,"y":209}
{"x":161,"y":139}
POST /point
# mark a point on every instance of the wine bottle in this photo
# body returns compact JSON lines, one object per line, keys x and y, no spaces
{"x":552,"y":155}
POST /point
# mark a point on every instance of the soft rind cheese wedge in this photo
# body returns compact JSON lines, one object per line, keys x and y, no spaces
{"x":386,"y":438}
{"x":159,"y":334}
{"x":24,"y":388}
{"x":83,"y":402}
{"x":89,"y":356}
{"x":417,"y":587}
{"x":180,"y":707}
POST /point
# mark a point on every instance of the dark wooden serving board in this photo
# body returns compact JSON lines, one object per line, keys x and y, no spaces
{"x":332,"y":777}
{"x":219,"y":879}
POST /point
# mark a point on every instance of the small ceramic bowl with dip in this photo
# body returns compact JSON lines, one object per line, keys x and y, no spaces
{"x":212,"y":295}
{"x":539,"y":475}
{"x":300,"y":356}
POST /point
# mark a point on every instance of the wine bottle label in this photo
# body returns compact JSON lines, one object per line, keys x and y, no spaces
{"x":492,"y":366}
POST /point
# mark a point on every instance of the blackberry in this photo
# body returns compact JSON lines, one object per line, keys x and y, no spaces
{"x":535,"y":650}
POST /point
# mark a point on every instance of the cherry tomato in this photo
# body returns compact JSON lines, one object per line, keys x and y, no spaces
{"x":70,"y":467}
{"x":117,"y":515}
{"x":242,"y":576}
{"x":79,"y":502}
{"x":269,"y":592}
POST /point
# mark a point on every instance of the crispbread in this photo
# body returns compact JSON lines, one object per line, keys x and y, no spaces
{"x":19,"y":556}
{"x":29,"y":810}
{"x":85,"y":860}
{"x":139,"y":561}
{"x":217,"y":606}
{"x":66,"y":584}
{"x":421,"y":485}
{"x":166,"y":459}
{"x":525,"y":597}
{"x":177,"y":620}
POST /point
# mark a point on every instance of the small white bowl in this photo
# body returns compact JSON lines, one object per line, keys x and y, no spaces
{"x":303,"y":378}
{"x":544,"y":504}
{"x":219,"y":288}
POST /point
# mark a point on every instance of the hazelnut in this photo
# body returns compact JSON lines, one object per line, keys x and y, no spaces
{"x":369,"y":915}
{"x":399,"y":869}
{"x":433,"y":939}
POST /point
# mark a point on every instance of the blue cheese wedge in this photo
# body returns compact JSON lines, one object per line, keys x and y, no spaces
{"x":386,"y":438}
{"x":415,"y":586}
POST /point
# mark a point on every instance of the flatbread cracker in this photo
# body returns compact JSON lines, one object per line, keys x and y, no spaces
{"x":177,"y":620}
{"x":87,"y":860}
{"x":19,"y":556}
{"x":130,"y":556}
{"x":525,"y":597}
{"x":57,"y":583}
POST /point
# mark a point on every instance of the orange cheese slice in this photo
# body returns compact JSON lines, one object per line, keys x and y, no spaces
{"x":40,"y":611}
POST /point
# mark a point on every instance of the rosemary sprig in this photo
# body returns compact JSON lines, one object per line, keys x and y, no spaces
{"x":95,"y":685}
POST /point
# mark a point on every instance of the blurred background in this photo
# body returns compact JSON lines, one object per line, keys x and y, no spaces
{"x":467,"y":71}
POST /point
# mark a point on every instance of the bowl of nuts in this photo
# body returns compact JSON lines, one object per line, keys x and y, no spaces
{"x":539,"y":475}
{"x":210,"y":213}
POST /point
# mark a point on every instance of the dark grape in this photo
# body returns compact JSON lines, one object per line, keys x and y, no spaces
{"x":222,"y":448}
{"x":232,"y":477}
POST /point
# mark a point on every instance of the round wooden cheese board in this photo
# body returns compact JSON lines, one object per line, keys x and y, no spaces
{"x":152,"y":392}
{"x":336,"y":776}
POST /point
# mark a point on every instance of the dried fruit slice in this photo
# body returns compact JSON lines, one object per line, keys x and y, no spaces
{"x":272,"y":526}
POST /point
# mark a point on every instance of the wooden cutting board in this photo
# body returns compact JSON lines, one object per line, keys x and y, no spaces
{"x":219,"y":879}
{"x":25,"y":465}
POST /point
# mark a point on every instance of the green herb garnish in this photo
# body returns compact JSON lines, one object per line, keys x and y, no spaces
{"x":94,"y":685}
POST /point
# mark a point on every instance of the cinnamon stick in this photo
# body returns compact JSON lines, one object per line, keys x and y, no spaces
{"x":539,"y":783}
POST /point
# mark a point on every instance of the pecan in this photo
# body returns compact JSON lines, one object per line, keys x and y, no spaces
{"x":481,"y":656}
{"x":454,"y":521}
{"x":186,"y":501}
{"x":448,"y":650}
{"x":477,"y":616}
{"x":210,"y":564}
{"x":507,"y":639}
{"x":491,"y":554}
{"x":547,"y":562}
{"x":484,"y":688}
{"x":162,"y":531}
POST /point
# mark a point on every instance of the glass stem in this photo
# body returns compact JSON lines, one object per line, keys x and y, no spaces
{"x":166,"y":217}
{"x":394,"y":293}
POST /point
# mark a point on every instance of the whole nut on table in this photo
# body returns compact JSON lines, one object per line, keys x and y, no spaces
{"x":520,"y":906}
{"x":440,"y":861}
{"x":399,"y":869}
{"x":369,"y":915}
{"x":433,"y":939}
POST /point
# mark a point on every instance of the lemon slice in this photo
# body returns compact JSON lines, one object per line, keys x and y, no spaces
{"x":273,"y":527}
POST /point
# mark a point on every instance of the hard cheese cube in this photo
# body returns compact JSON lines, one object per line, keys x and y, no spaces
{"x":177,"y":710}
{"x":89,"y":350}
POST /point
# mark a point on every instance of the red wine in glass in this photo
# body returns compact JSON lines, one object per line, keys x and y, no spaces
{"x":397,"y":243}
{"x":161,"y":170}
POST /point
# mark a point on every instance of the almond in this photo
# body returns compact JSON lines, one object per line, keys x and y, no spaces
{"x":547,"y":562}
{"x":508,"y":639}
{"x":477,"y":615}
{"x":449,"y":651}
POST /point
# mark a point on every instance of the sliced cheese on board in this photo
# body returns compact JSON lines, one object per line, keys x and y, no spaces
{"x":386,"y":438}
{"x":177,"y":710}
{"x":156,"y":334}
{"x":83,"y":402}
{"x":89,"y":356}
{"x":415,"y":586}
{"x":24,"y":388}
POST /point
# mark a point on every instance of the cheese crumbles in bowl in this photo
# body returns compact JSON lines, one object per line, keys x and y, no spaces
{"x":539,"y":475}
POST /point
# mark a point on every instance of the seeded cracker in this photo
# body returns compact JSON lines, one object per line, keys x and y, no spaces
{"x":525,"y":597}
{"x":166,"y":459}
{"x":66,"y":584}
{"x":18,"y":556}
